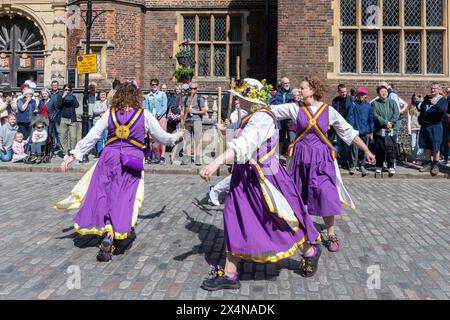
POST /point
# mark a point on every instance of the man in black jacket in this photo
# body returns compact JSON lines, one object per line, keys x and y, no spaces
{"x":432,"y":111}
{"x":341,"y":104}
{"x":68,"y":119}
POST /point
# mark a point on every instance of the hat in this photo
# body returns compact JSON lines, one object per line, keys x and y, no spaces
{"x":361,"y":90}
{"x":251,"y":90}
{"x":28,"y":91}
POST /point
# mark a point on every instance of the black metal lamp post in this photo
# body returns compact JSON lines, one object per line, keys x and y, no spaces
{"x":88,"y":21}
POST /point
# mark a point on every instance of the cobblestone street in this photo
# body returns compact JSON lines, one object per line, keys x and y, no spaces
{"x":401,"y":228}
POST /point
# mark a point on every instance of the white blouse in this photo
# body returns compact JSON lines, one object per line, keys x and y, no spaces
{"x":152,"y":127}
{"x":343,"y":129}
{"x":259,"y":128}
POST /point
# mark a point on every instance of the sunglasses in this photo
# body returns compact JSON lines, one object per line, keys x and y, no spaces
{"x":192,"y":88}
{"x":153,"y":84}
{"x":41,"y":127}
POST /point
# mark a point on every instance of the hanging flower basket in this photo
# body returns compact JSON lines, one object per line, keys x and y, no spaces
{"x":183,"y":74}
{"x":184,"y":56}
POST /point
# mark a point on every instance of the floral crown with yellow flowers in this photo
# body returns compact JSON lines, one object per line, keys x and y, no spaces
{"x":252,"y":90}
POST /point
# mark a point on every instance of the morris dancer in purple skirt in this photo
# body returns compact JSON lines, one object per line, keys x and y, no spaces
{"x":264,"y":217}
{"x":312,"y":164}
{"x":113,"y":190}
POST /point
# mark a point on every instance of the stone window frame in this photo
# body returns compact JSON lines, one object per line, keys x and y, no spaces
{"x":245,"y":45}
{"x":335,"y":51}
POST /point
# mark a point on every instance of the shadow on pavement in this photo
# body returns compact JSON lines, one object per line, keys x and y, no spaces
{"x":214,"y":254}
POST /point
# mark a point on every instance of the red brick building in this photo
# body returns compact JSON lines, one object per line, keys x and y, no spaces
{"x":356,"y":42}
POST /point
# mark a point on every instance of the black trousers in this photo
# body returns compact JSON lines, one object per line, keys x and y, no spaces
{"x":385,"y":150}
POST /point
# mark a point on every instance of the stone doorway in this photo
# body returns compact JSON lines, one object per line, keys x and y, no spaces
{"x":21,"y":51}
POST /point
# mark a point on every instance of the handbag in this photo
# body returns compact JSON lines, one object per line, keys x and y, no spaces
{"x":132,"y":162}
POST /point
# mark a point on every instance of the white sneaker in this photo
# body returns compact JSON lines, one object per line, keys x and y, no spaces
{"x":213,"y":197}
{"x":378,"y":170}
{"x":391,"y":171}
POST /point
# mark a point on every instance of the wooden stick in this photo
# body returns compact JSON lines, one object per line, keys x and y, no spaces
{"x":238,"y":75}
{"x":219,"y":106}
{"x":188,"y":106}
{"x":230,"y":103}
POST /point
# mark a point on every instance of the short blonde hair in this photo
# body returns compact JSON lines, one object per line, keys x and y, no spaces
{"x":18,"y":134}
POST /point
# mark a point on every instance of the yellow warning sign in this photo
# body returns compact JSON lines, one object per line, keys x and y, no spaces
{"x":87,"y":63}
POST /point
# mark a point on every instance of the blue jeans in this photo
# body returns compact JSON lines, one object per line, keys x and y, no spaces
{"x":417,"y":153}
{"x":36,"y":148}
{"x":101,"y":142}
{"x":6,"y":156}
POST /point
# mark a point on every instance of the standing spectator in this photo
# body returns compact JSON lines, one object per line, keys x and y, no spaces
{"x":30,"y":82}
{"x":26,"y":106}
{"x":45,"y":99}
{"x":360,"y":116}
{"x":114,"y":86}
{"x":7,"y":134}
{"x":225,"y":101}
{"x":341,"y":103}
{"x":7,"y":105}
{"x":156,"y":102}
{"x":445,"y":146}
{"x":68,"y":119}
{"x":414,"y":129}
{"x":385,"y":112}
{"x":194,"y":110}
{"x":174,"y":114}
{"x":297,"y":98}
{"x":284,"y":95}
{"x":432,"y":111}
{"x":100,"y":107}
{"x":164,"y":88}
{"x":54,"y":115}
{"x":18,"y":148}
{"x":92,"y":97}
{"x":401,"y":105}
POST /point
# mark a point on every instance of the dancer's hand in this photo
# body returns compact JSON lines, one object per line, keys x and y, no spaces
{"x":66,"y":162}
{"x":207,"y":171}
{"x":222,"y":127}
{"x":370,"y":157}
{"x":179,"y":135}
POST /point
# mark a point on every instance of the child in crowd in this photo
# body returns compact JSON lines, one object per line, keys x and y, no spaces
{"x":38,"y":140}
{"x":18,"y":147}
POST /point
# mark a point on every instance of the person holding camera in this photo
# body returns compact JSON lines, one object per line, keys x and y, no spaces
{"x":432,"y":111}
{"x":7,"y":105}
{"x":68,"y":124}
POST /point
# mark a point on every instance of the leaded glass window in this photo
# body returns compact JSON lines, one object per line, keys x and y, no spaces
{"x":406,"y":37}
{"x":216,"y":41}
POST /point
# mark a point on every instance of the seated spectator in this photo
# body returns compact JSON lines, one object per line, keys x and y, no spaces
{"x":18,"y":148}
{"x":38,"y":141}
{"x":7,"y":134}
{"x":360,"y":116}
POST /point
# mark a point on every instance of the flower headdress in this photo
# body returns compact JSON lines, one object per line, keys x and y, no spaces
{"x":252,"y":90}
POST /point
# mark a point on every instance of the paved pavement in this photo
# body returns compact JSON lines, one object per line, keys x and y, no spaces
{"x":400,"y":233}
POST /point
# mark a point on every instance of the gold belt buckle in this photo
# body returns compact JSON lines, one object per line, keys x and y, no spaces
{"x":122,"y":132}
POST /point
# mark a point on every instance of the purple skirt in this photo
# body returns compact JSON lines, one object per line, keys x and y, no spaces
{"x":255,"y":233}
{"x":313,"y":171}
{"x":111,"y":194}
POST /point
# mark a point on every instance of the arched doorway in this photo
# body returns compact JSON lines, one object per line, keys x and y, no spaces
{"x":21,"y":51}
